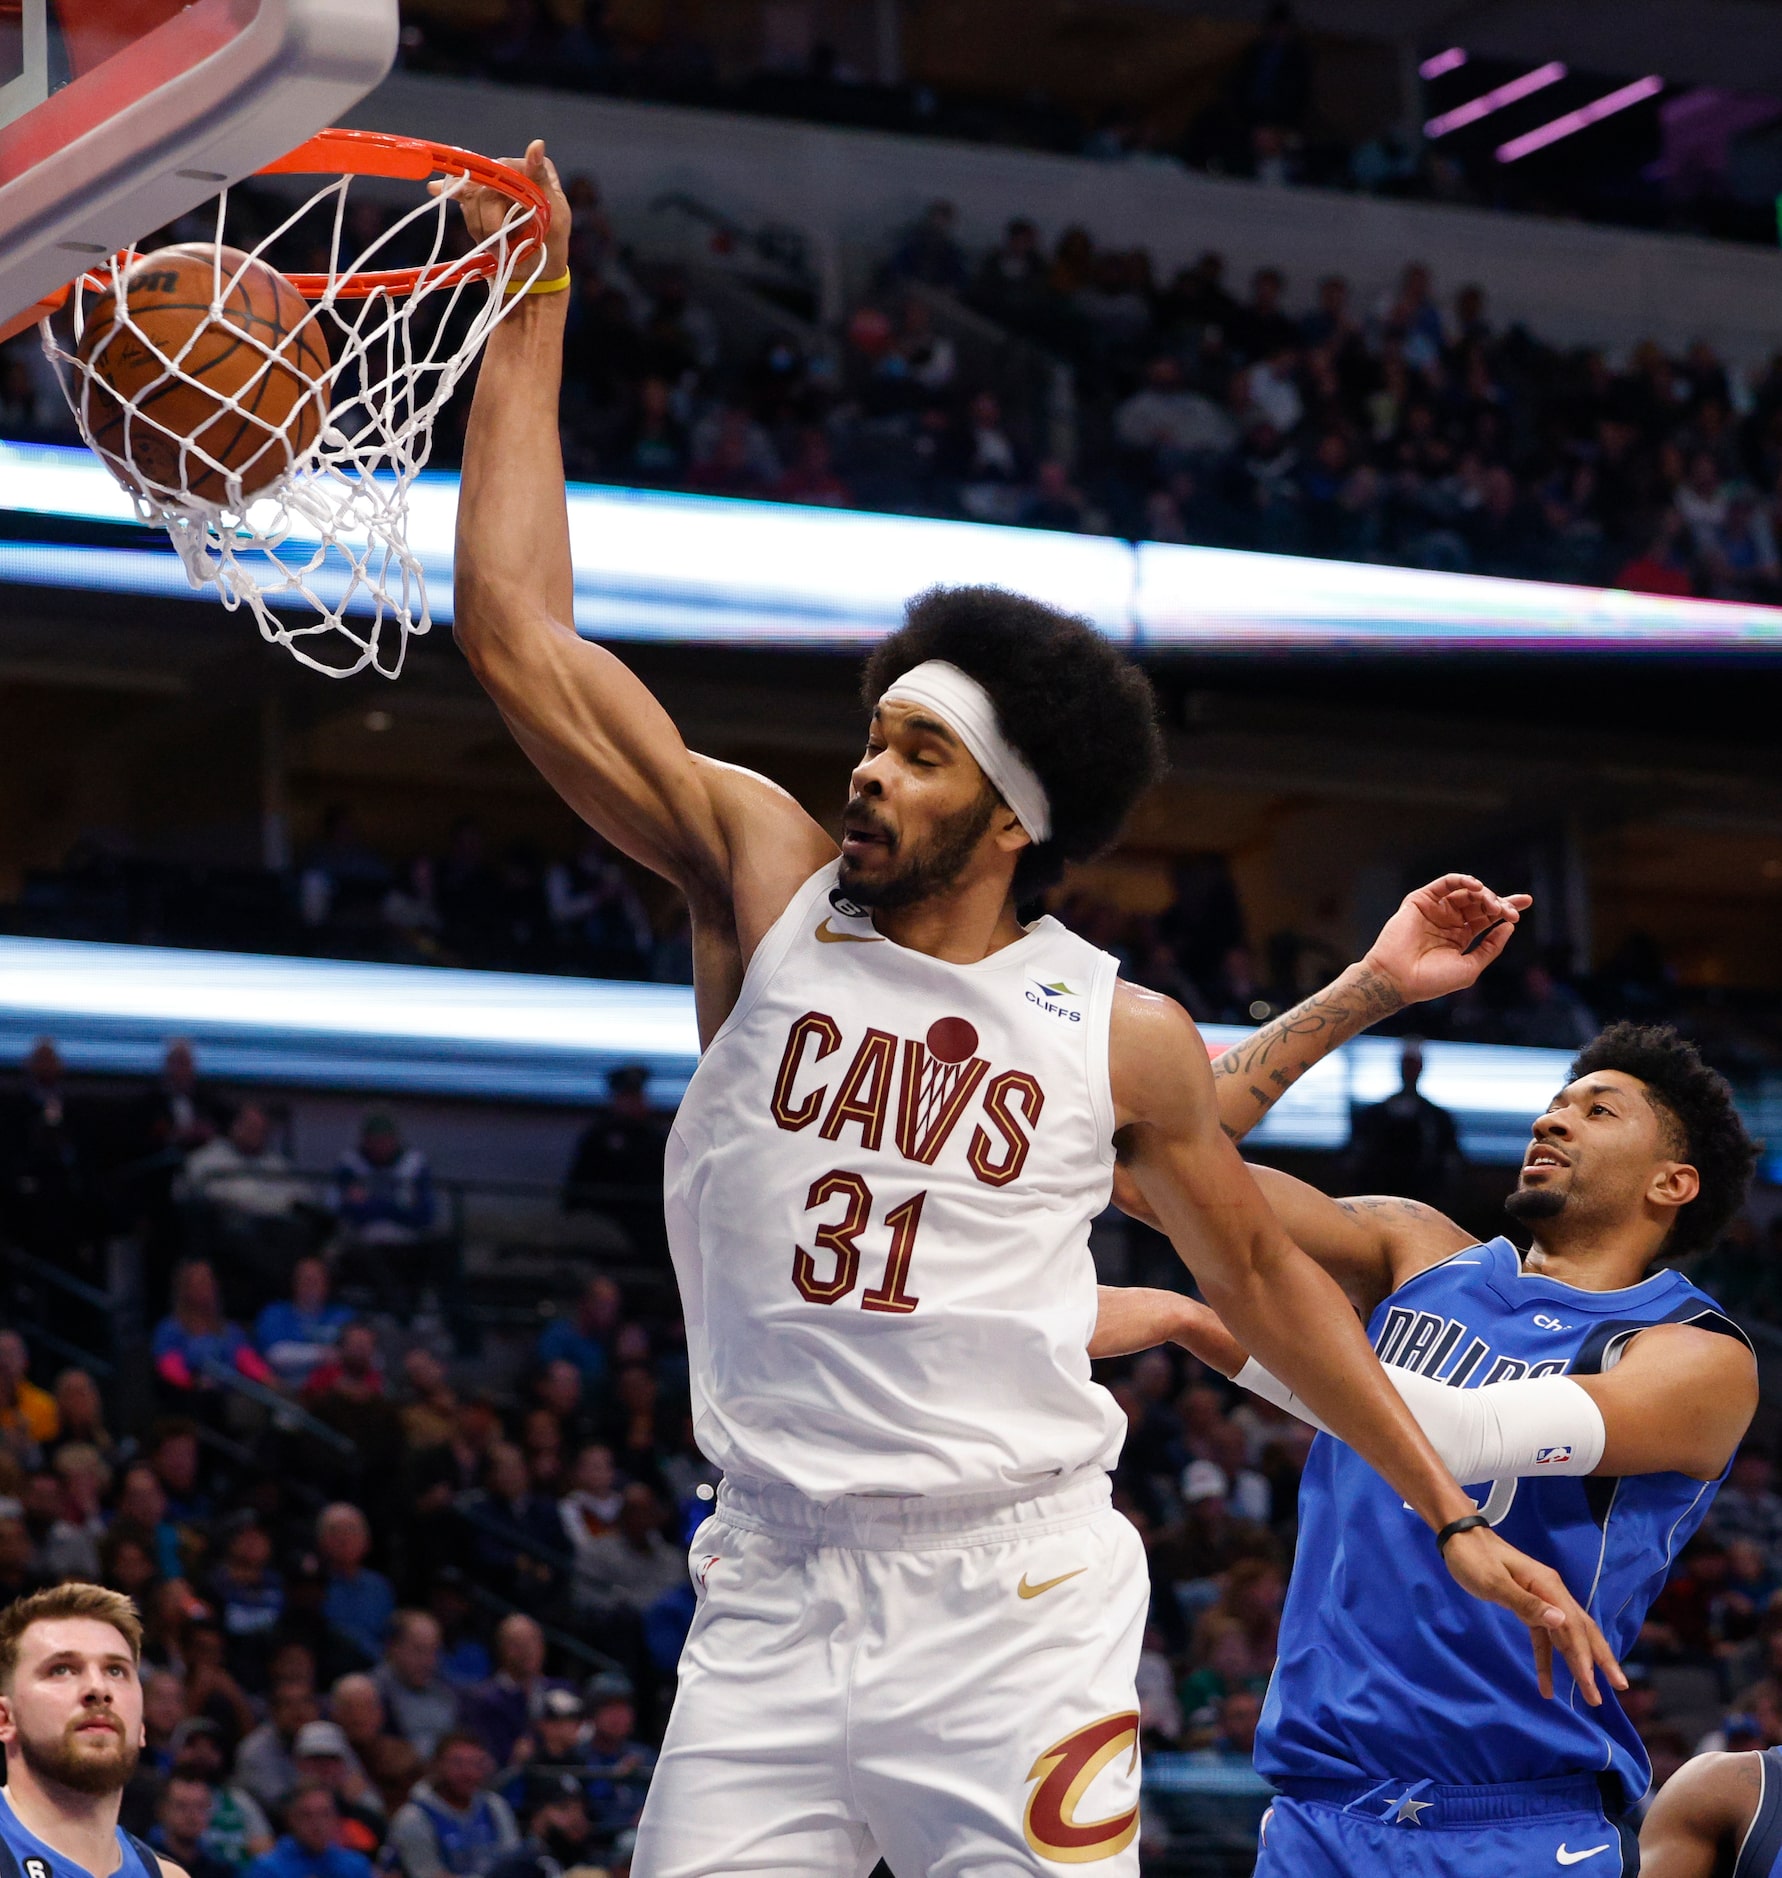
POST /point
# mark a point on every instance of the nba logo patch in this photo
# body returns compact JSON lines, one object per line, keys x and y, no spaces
{"x":1551,"y":1457}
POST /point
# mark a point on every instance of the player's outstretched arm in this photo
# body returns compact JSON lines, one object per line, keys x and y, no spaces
{"x":1700,"y":1817}
{"x":733,"y":843}
{"x":1293,"y":1315}
{"x":1440,"y":939}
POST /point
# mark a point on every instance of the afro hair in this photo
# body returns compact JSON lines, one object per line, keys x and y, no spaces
{"x":1698,"y":1106}
{"x":1077,"y":709}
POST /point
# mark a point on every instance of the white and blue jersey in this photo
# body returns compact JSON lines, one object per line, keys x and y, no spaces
{"x":1388,"y":1671}
{"x":24,"y":1855}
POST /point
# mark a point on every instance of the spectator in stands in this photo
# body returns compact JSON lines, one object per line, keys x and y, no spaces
{"x":18,"y":1577}
{"x":80,"y":1411}
{"x":359,"y":1601}
{"x":599,"y":921}
{"x":619,"y":1765}
{"x":194,"y":1339}
{"x":258,"y":1200}
{"x":1405,"y":1145}
{"x":420,"y":1704}
{"x":238,"y":1831}
{"x":71,"y":1547}
{"x":811,"y":476}
{"x":629,"y":1568}
{"x":559,"y":1835}
{"x":296,"y":1334}
{"x":1056,"y":502}
{"x":346,"y":1393}
{"x":265,"y":1762}
{"x":1549,"y":1014}
{"x":249,"y":1596}
{"x":355,"y":1704}
{"x":557,"y":1738}
{"x":182,"y":1822}
{"x":142,"y":1510}
{"x":584,"y":1337}
{"x":502,"y":1709}
{"x":591,"y":1508}
{"x":44,"y":1174}
{"x":516,"y":1533}
{"x":28,"y":1416}
{"x":1235,"y":1740}
{"x":1168,"y":425}
{"x":311,"y":1846}
{"x":179,"y":1115}
{"x":324,"y":1758}
{"x":451,"y":1825}
{"x":342,"y":885}
{"x":383,"y":1189}
{"x":929,"y":252}
{"x":617,"y":1166}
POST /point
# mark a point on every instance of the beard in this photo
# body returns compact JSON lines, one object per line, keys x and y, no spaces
{"x":82,"y":1763}
{"x":927,"y":870}
{"x":1530,"y":1205}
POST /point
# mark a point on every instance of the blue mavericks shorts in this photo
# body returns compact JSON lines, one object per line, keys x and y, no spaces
{"x":1416,"y":1829}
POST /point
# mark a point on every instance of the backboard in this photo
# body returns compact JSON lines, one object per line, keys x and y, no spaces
{"x":117,"y":116}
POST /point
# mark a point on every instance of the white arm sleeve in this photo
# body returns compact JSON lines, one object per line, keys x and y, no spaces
{"x":1540,"y":1425}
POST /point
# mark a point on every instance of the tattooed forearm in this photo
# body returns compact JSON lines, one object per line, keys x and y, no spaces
{"x":1287,"y":1046}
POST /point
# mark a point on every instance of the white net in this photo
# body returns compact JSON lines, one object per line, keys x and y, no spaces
{"x":320,"y":553}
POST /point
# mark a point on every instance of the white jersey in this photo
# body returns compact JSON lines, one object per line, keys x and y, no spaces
{"x":879,"y":1192}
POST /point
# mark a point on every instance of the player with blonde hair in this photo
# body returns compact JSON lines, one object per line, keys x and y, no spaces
{"x":71,"y":1725}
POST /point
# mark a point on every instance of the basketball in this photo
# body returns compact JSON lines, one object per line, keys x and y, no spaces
{"x":215,"y":371}
{"x":951,"y":1039}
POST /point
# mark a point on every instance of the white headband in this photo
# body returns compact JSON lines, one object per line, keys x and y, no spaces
{"x":964,"y":706}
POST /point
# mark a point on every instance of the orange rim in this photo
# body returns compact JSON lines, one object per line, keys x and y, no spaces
{"x":410,"y":159}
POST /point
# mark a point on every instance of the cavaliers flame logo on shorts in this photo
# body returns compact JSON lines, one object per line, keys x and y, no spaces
{"x":1064,"y":1772}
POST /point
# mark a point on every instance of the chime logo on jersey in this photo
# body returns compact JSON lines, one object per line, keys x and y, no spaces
{"x":1064,"y":1773}
{"x":922,"y":1087}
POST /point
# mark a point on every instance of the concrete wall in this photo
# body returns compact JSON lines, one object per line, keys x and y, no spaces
{"x":851,"y":189}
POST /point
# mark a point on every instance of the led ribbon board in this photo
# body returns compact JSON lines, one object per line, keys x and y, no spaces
{"x":712,"y":570}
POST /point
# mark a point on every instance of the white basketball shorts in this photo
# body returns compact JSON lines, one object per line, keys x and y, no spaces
{"x":946,"y":1684}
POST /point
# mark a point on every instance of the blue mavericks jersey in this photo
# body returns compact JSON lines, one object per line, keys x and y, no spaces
{"x":1387,"y":1668}
{"x":24,"y":1855}
{"x":1760,"y":1852}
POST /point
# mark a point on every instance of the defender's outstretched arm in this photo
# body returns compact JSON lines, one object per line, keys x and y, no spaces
{"x":595,"y":732}
{"x":1700,"y":1818}
{"x":1294,"y":1316}
{"x":1440,"y":939}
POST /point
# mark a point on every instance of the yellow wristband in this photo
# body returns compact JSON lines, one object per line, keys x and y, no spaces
{"x":559,"y":285}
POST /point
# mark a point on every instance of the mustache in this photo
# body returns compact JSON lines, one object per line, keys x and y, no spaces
{"x":859,"y":817}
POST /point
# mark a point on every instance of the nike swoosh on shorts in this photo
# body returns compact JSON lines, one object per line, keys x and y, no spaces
{"x":1574,"y":1858}
{"x":1025,"y":1590}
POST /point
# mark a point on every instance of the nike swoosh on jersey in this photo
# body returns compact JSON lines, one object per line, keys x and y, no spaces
{"x":1025,"y":1590}
{"x":1575,"y":1858}
{"x":827,"y":935}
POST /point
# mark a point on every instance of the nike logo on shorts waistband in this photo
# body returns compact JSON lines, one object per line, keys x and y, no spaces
{"x":1575,"y":1858}
{"x":1025,"y":1590}
{"x":827,"y":935}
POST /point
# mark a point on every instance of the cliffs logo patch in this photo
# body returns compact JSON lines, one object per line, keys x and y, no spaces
{"x":1064,"y":1773}
{"x":1057,"y":1000}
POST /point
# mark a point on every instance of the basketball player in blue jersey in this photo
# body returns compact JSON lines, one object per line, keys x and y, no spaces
{"x":1592,"y":1400}
{"x":1719,"y":1816}
{"x":71,"y":1725}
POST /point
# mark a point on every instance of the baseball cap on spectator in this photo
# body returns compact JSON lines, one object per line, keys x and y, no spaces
{"x":1204,"y":1480}
{"x":610,"y":1685}
{"x":318,"y":1738}
{"x":561,"y":1705}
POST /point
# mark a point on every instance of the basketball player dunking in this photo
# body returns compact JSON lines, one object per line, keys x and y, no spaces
{"x":71,"y":1725}
{"x":1595,"y":1398}
{"x":919,"y":1620}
